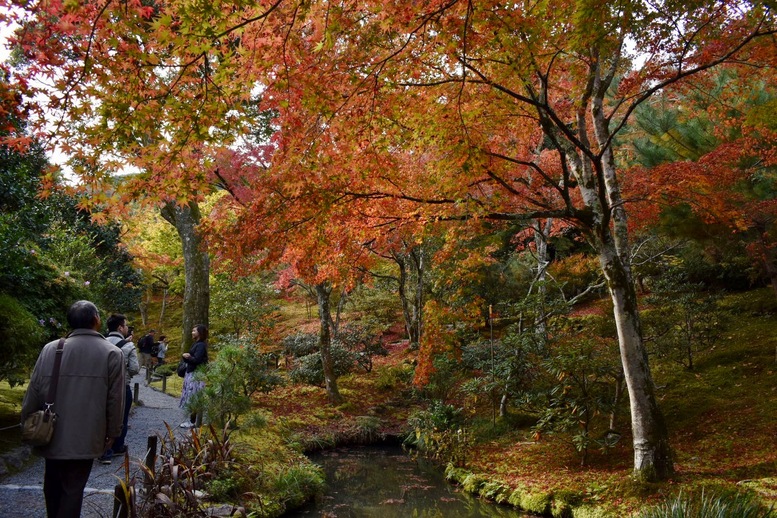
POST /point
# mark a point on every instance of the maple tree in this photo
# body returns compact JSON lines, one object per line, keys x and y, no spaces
{"x":389,"y":115}
{"x":157,"y":253}
{"x":717,"y":166}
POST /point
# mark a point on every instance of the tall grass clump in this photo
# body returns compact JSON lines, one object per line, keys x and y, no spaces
{"x":740,"y":505}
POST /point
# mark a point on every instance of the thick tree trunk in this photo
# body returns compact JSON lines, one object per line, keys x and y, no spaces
{"x":196,"y":297}
{"x":323,"y":291}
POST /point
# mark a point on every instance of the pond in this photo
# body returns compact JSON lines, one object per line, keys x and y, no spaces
{"x":386,"y":482}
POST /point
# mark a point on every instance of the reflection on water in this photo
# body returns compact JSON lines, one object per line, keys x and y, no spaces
{"x":383,"y":481}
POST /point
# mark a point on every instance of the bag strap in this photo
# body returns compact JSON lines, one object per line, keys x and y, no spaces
{"x":55,"y":374}
{"x":121,"y":343}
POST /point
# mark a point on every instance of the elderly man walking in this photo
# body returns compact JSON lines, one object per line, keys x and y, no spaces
{"x":89,"y":403}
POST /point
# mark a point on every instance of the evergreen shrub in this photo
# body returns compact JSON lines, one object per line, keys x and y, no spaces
{"x":23,"y":337}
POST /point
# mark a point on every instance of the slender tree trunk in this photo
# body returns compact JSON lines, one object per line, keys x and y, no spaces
{"x":196,"y":296}
{"x":144,"y":308}
{"x":164,"y":307}
{"x":417,"y":257}
{"x":410,"y":305}
{"x":323,"y":292}
{"x":652,"y":455}
{"x":339,"y":313}
{"x":593,"y":166}
{"x":616,"y":400}
{"x":402,"y":289}
{"x":541,"y":237}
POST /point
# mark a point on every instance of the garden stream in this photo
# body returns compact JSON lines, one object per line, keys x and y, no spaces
{"x":386,"y":482}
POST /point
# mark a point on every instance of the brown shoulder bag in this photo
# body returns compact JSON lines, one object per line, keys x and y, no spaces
{"x":38,"y":428}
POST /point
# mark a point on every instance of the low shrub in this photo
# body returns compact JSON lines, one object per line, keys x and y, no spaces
{"x":309,"y":369}
{"x":391,"y":377}
{"x":238,"y":372}
{"x":295,"y":485}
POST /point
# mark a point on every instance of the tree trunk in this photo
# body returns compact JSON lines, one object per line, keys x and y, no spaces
{"x":652,"y":455}
{"x":323,"y":291}
{"x":541,"y":231}
{"x":616,"y":400}
{"x":606,"y":223}
{"x":411,"y":309}
{"x":196,"y":296}
{"x":144,"y":308}
{"x":164,"y":307}
{"x":402,"y":289}
{"x":417,"y":257}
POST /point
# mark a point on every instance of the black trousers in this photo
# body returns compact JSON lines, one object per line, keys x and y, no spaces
{"x":64,"y":481}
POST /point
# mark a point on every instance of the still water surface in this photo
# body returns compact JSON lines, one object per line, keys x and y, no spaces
{"x":385,"y":482}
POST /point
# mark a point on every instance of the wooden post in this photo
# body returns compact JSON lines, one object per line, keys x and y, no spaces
{"x":121,"y":505}
{"x":135,"y":393}
{"x":150,"y":461}
{"x":164,"y":383}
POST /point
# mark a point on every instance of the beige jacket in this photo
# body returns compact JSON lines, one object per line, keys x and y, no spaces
{"x":90,"y":395}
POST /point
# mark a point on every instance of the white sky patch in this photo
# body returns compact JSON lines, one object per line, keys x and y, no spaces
{"x":55,"y":156}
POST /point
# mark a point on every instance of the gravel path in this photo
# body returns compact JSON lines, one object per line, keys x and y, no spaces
{"x":21,"y":494}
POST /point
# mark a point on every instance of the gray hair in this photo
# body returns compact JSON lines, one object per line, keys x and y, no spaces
{"x":82,"y":315}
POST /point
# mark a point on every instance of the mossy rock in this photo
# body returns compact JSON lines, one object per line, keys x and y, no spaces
{"x":538,"y":503}
{"x":590,"y":512}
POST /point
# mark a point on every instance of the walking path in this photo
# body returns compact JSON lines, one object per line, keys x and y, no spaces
{"x":21,"y":494}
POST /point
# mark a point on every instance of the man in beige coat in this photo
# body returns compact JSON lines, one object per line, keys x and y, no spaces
{"x":89,"y":404}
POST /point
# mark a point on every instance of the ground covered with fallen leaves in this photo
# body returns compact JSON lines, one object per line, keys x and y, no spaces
{"x":722,"y":418}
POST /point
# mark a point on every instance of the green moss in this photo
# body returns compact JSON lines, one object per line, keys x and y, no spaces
{"x":296,"y":484}
{"x":536,"y":502}
{"x":516,"y":496}
{"x":495,"y":491}
{"x":591,"y":512}
{"x":455,"y":475}
{"x":473,"y":483}
{"x":564,"y":502}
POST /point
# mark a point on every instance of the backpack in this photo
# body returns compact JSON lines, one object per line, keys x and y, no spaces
{"x":120,"y":344}
{"x":145,"y":344}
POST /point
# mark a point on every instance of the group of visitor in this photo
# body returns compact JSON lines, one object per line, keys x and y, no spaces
{"x":96,"y":370}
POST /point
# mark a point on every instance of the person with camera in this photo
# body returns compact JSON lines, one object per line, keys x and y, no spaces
{"x":120,"y":335}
